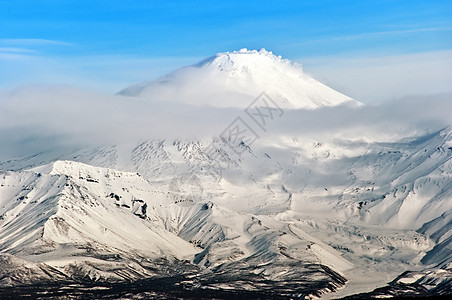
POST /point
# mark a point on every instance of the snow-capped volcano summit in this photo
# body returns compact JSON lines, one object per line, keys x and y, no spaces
{"x":233,"y":79}
{"x":135,"y":198}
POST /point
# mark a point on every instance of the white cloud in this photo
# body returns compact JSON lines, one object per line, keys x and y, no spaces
{"x":376,"y":79}
{"x":106,"y":73}
{"x":33,"y":42}
{"x":35,"y":119}
{"x":39,"y":118}
{"x":15,"y":50}
{"x":373,"y":34}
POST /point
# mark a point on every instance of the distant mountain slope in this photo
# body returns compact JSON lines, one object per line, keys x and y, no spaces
{"x":306,"y":209}
{"x":268,"y":205}
{"x":233,"y":79}
{"x":66,"y":221}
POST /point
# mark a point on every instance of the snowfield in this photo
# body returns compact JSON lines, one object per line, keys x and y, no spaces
{"x":293,"y":215}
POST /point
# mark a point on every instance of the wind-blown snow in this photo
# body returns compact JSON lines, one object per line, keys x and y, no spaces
{"x":233,"y":79}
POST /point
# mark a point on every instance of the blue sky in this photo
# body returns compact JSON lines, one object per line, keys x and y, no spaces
{"x":109,"y":44}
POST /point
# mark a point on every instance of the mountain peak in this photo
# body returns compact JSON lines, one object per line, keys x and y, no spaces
{"x":244,"y":56}
{"x":249,"y":61}
{"x":234,"y":79}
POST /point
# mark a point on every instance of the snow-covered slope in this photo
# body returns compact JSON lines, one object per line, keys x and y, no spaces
{"x":68,"y":215}
{"x":295,"y":212}
{"x":233,"y":79}
{"x":328,"y":204}
{"x":100,"y":224}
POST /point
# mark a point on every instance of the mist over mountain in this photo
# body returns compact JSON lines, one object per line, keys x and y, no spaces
{"x":239,"y":175}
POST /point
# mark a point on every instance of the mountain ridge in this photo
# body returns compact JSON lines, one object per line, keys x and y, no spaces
{"x":302,"y":209}
{"x":277,"y":221}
